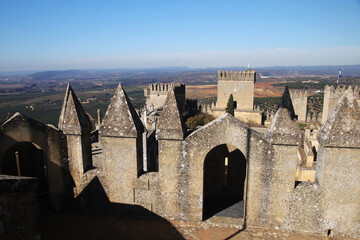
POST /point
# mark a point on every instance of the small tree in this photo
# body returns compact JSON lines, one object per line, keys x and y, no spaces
{"x":230,"y":105}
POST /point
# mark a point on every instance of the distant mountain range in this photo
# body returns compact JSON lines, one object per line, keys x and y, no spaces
{"x":286,"y":71}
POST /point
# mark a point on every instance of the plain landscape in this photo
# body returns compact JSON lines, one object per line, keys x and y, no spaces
{"x":40,"y":94}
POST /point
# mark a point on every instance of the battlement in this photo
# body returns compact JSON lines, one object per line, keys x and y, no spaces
{"x":332,"y":96}
{"x":163,"y":88}
{"x":156,"y":94}
{"x":332,"y":92}
{"x":247,"y":75}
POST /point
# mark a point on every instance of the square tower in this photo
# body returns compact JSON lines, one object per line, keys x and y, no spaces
{"x":238,"y":83}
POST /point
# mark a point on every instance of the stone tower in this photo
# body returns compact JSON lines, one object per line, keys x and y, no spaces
{"x":76,"y":126}
{"x":240,"y":85}
{"x":156,"y":94}
{"x":337,"y":171}
{"x":299,"y":101}
{"x":331,"y":97}
{"x":170,"y":133}
{"x":121,"y":136}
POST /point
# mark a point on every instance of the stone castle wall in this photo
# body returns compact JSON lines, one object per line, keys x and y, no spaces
{"x":271,"y":198}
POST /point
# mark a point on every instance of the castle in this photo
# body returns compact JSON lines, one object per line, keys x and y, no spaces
{"x":193,"y":176}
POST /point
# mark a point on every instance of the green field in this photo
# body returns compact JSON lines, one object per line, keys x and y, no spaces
{"x":47,"y":106}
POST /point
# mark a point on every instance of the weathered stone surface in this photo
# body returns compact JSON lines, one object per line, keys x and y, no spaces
{"x":18,"y":208}
{"x":283,"y":130}
{"x":121,"y":119}
{"x":73,"y":118}
{"x":76,"y":125}
{"x":342,"y":128}
{"x":305,"y":211}
{"x":21,"y":128}
{"x":171,"y":124}
{"x":337,"y":173}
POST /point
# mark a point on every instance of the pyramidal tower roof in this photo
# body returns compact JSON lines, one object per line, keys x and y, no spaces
{"x":121,"y":119}
{"x":285,"y":102}
{"x":171,"y":124}
{"x":342,"y":128}
{"x":283,"y":128}
{"x":73,"y":118}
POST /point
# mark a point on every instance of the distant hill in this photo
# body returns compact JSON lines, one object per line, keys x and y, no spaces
{"x":49,"y":75}
{"x":138,"y":75}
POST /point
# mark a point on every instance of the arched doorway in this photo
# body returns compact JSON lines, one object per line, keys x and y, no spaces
{"x":26,"y":159}
{"x":224,"y":182}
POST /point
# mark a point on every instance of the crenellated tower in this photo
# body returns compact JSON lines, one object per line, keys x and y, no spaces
{"x":238,"y":83}
{"x":156,"y":94}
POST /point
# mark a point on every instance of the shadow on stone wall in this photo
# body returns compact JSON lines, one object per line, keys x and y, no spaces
{"x":92,"y":216}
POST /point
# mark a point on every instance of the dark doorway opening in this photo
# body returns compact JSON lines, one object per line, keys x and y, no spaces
{"x":224,"y":182}
{"x":25,"y":159}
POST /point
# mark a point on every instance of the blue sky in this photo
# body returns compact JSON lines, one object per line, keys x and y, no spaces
{"x":83,"y":34}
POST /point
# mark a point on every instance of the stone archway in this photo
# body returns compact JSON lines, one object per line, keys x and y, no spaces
{"x":26,"y":159}
{"x":22,"y":132}
{"x":224,"y":182}
{"x":223,"y":130}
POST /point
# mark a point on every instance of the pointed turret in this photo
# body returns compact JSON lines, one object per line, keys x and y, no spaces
{"x":121,"y":119}
{"x":285,"y":102}
{"x":171,"y":124}
{"x":342,"y":128}
{"x":75,"y":124}
{"x":122,"y":143}
{"x":284,"y":129}
{"x":73,"y":119}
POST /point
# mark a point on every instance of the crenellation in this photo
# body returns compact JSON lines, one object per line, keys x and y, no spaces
{"x":247,"y":75}
{"x":332,"y":96}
